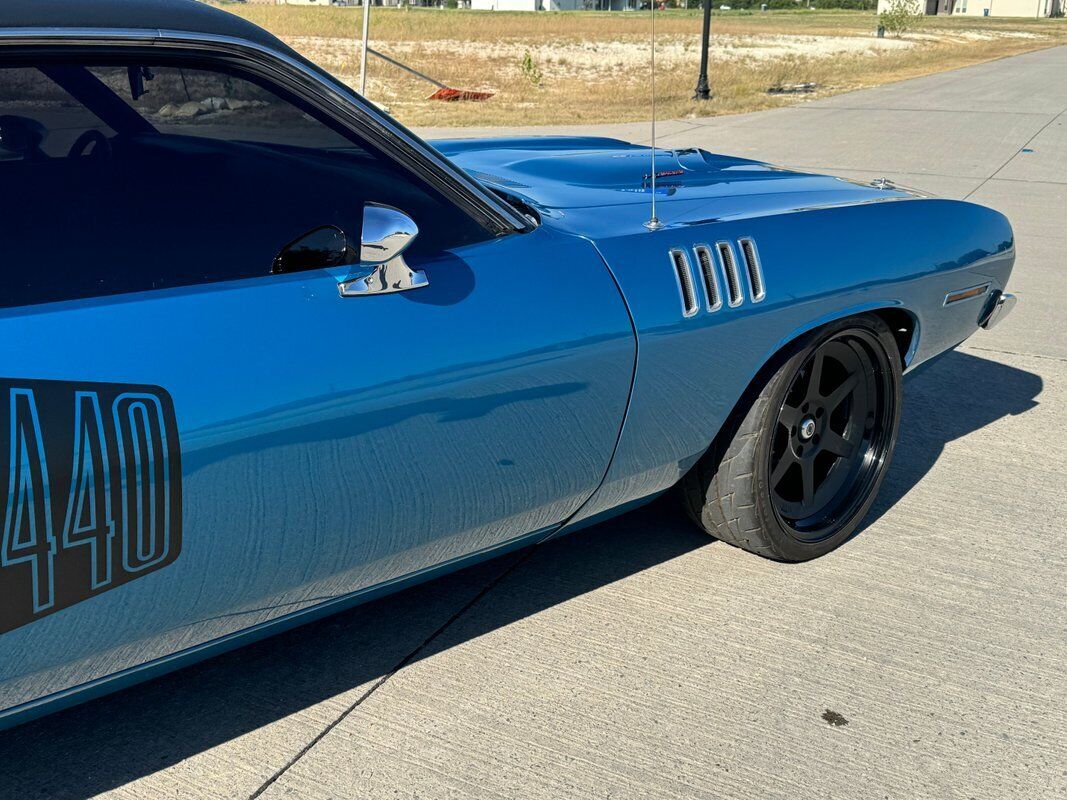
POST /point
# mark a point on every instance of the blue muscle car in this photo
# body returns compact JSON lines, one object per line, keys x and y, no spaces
{"x":266,"y":354}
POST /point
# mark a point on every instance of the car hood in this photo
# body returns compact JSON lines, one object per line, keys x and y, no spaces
{"x":598,"y":181}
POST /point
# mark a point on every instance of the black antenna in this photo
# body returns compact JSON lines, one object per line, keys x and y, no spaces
{"x":653,"y":223}
{"x":703,"y":90}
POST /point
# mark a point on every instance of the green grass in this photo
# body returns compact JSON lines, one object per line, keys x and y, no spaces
{"x":593,"y":65}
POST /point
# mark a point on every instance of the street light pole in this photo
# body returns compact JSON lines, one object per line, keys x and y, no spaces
{"x":363,"y":53}
{"x":703,"y":91}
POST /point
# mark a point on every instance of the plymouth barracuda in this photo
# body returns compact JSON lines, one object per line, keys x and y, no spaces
{"x":267,"y":354}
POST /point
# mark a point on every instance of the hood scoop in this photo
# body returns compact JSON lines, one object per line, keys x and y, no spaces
{"x":590,"y":172}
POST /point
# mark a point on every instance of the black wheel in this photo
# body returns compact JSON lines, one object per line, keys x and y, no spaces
{"x":807,"y":457}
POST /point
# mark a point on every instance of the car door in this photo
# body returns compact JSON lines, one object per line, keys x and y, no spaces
{"x":197,"y":445}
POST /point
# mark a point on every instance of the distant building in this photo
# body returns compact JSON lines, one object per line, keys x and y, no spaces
{"x":986,"y":8}
{"x":481,"y":5}
{"x":525,"y":5}
{"x":462,"y":3}
{"x":555,"y":5}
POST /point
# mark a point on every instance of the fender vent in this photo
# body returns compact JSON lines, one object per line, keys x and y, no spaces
{"x":729,"y":268}
{"x":709,"y":276}
{"x":684,"y":274}
{"x":752,"y":267}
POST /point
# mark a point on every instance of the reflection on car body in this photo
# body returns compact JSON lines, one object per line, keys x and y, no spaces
{"x":268,"y":355}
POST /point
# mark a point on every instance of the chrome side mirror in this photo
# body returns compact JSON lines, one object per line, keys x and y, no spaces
{"x":387,"y":233}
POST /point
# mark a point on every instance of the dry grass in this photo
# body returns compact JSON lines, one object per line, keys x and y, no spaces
{"x":594,"y":66}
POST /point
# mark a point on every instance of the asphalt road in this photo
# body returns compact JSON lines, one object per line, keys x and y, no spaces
{"x":926,"y":658}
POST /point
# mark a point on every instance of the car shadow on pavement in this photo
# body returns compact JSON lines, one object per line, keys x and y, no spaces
{"x":945,"y":400}
{"x":109,"y":742}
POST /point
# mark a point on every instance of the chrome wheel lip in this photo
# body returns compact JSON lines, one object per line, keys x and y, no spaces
{"x":816,"y":523}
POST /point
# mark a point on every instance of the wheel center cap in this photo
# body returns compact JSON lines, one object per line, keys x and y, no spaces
{"x":807,"y":428}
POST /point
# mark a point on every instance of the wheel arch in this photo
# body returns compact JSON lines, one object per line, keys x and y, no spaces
{"x":902,"y":322}
{"x":904,"y":325}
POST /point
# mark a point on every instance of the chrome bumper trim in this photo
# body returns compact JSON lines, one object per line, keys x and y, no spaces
{"x":999,"y":309}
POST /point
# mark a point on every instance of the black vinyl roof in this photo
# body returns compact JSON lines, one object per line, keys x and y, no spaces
{"x":175,"y":15}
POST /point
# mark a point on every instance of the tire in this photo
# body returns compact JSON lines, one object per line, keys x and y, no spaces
{"x":797,"y":468}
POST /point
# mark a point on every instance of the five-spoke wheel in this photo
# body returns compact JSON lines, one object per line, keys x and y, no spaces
{"x":824,"y":425}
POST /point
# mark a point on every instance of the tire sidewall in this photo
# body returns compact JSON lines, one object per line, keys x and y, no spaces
{"x":788,"y":546}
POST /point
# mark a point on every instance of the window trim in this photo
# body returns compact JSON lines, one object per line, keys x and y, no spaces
{"x":302,"y":79}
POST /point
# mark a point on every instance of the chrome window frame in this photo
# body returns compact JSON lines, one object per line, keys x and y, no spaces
{"x":308,"y":82}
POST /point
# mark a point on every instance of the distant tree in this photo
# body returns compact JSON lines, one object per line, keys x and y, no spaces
{"x":900,"y":17}
{"x":531,"y":70}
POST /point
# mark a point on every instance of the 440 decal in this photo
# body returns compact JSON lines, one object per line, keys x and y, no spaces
{"x":92,"y":498}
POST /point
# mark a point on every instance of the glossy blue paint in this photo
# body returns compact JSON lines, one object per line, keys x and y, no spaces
{"x":828,"y":248}
{"x":575,"y":181}
{"x":335,"y":449}
{"x":177,"y":659}
{"x":333,"y":444}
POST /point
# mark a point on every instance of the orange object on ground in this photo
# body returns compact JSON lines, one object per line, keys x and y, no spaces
{"x":450,"y":95}
{"x":446,"y":93}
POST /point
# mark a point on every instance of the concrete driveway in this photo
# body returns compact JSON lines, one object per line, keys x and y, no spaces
{"x":926,"y":658}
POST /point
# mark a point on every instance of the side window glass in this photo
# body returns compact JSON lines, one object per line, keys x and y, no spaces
{"x":128,"y":176}
{"x":186,"y":101}
{"x":38,"y":118}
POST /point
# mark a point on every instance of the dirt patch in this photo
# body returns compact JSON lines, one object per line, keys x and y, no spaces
{"x":834,"y":719}
{"x":578,"y":58}
{"x":588,"y":67}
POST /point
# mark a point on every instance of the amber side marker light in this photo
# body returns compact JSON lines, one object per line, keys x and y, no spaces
{"x":966,"y":294}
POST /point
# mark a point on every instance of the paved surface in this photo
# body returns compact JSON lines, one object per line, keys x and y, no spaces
{"x":641,"y":659}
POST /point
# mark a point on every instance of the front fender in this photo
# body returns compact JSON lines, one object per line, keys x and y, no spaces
{"x":818,"y":266}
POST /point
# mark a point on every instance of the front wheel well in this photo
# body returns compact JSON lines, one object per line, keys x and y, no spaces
{"x":792,"y":484}
{"x":903,"y":326}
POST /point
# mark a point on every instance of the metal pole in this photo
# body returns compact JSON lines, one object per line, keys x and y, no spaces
{"x":363,"y":55}
{"x":653,"y":223}
{"x":703,"y":91}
